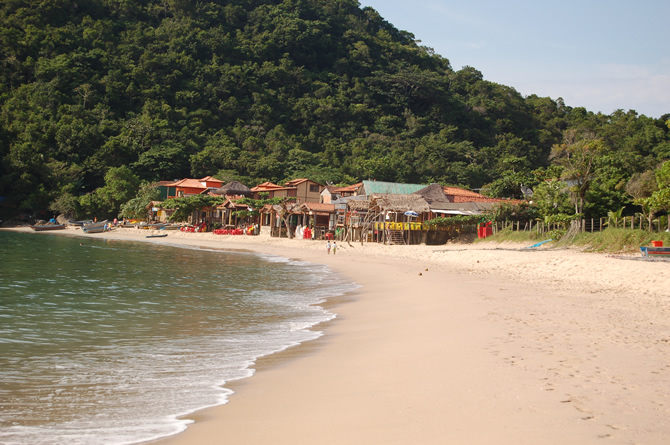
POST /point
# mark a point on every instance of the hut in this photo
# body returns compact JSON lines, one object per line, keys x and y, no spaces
{"x":433,"y":193}
{"x":233,"y":189}
{"x":227,"y":215}
{"x":399,"y":218}
{"x":281,"y":220}
{"x":387,"y":218}
{"x":157,"y":214}
{"x":320,"y":218}
{"x":456,"y":201}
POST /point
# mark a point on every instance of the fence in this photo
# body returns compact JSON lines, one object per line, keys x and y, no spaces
{"x":587,"y":225}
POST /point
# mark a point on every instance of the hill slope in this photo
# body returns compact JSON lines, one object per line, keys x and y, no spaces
{"x":251,"y":90}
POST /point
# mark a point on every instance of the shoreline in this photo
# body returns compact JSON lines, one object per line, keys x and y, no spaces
{"x":457,"y":344}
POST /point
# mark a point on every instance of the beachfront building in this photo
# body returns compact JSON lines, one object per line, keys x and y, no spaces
{"x":280,"y":220}
{"x":320,"y":218}
{"x":451,"y":201}
{"x":368,"y":188}
{"x":397,"y":213}
{"x":233,"y":190}
{"x":306,"y":190}
{"x":188,"y":187}
{"x":303,"y":190}
{"x":228,"y":214}
{"x":331,"y":193}
{"x":156,"y":214}
{"x":209,"y":216}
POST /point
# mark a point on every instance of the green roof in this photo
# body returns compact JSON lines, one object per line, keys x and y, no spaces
{"x":380,"y":187}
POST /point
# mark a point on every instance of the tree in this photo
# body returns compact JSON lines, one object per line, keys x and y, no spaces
{"x":257,"y":204}
{"x":187,"y":205}
{"x":660,"y":199}
{"x":136,"y":208}
{"x":577,"y":155}
{"x":640,"y":187}
{"x":120,"y":186}
{"x":551,"y":198}
{"x":66,"y":205}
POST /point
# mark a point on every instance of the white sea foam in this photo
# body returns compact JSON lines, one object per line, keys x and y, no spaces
{"x":126,"y":371}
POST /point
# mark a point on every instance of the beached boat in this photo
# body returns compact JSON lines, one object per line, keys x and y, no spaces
{"x":40,"y":228}
{"x":162,"y":235}
{"x":152,"y":226}
{"x":80,"y":223}
{"x":656,"y":251}
{"x":96,"y":227}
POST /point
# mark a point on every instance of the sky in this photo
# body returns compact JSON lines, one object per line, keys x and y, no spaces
{"x":597,"y":54}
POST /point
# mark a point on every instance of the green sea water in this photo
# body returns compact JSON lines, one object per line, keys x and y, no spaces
{"x":105,"y":341}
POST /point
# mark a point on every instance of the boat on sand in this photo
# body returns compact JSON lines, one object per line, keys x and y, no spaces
{"x":43,"y":227}
{"x":96,"y":227}
{"x":655,"y":251}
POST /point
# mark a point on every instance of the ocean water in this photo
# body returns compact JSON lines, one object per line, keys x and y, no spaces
{"x":109,"y":342}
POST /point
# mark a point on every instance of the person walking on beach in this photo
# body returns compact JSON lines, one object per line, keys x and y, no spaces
{"x":328,"y":247}
{"x":334,"y":247}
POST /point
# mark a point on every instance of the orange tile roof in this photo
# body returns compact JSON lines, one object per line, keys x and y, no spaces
{"x":192,"y":183}
{"x":457,"y":194}
{"x":350,"y":188}
{"x":318,"y":207}
{"x":266,"y":186}
{"x":210,"y":179}
{"x":294,"y":182}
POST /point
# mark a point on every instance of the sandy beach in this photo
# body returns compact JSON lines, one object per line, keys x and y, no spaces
{"x":458,"y":344}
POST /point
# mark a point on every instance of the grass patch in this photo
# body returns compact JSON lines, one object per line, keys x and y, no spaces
{"x":512,"y":236}
{"x":607,"y":241}
{"x":619,"y":240}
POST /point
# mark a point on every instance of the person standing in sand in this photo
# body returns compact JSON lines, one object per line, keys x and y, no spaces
{"x":334,"y":247}
{"x":328,"y":247}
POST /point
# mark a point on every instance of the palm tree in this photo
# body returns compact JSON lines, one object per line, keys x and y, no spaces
{"x":615,"y":216}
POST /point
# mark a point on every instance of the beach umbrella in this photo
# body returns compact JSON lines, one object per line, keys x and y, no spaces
{"x":411,"y":213}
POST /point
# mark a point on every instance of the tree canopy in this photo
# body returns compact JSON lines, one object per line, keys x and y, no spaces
{"x":270,"y":90}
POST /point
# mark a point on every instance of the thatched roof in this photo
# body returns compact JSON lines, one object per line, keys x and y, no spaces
{"x":233,"y":188}
{"x":400,"y":203}
{"x":356,"y":203}
{"x":433,"y":193}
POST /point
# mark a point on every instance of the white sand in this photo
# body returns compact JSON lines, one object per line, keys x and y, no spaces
{"x":475,"y":344}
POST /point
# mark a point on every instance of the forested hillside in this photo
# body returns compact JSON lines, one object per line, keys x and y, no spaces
{"x":262,"y":90}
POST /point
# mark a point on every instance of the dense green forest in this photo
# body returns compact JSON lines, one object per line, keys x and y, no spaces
{"x":98,"y":96}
